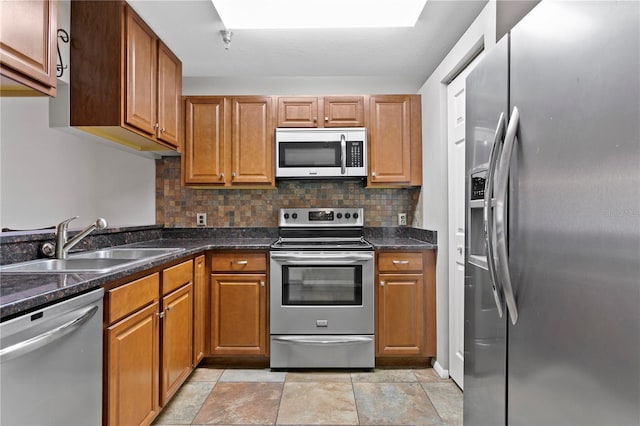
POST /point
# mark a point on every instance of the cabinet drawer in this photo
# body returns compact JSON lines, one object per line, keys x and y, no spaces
{"x":128,"y":298}
{"x":239,"y":262}
{"x":177,"y":276}
{"x":399,"y":261}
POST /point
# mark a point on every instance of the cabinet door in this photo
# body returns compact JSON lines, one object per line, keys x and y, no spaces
{"x":390,"y":139}
{"x":28,"y":43}
{"x":252,"y":140}
{"x":343,"y":111}
{"x":140,"y":65}
{"x":169,"y":93}
{"x":177,"y":340}
{"x":238,"y":314}
{"x":297,"y":112}
{"x":400,"y":321}
{"x":204,"y":152}
{"x":199,"y":310}
{"x":133,"y":368}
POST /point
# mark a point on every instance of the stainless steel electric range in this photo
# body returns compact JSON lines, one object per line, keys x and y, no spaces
{"x":322,"y":294}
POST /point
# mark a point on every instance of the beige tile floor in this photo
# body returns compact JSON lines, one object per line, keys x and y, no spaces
{"x":262,"y":397}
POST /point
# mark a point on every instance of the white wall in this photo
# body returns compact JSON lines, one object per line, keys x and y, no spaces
{"x":48,"y":175}
{"x":432,"y":206}
{"x":293,"y":86}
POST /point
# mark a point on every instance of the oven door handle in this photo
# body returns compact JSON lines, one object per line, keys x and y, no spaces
{"x":321,"y":260}
{"x":323,"y":340}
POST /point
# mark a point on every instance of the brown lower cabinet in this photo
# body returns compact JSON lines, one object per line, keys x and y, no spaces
{"x":148,"y":343}
{"x":239,"y":303}
{"x":405,"y":304}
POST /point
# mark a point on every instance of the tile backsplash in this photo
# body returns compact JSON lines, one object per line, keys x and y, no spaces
{"x":176,"y":205}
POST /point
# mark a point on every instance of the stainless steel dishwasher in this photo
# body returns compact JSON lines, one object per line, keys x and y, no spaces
{"x":51,"y":364}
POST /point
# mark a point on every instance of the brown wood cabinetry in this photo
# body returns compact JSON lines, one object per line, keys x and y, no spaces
{"x":132,"y":369}
{"x":335,"y":111}
{"x":229,"y":141}
{"x":28,"y":48}
{"x":395,"y":140}
{"x":177,"y":328}
{"x":125,"y":83}
{"x":405,"y":303}
{"x":148,"y":343}
{"x":199,"y":309}
{"x":239,"y":304}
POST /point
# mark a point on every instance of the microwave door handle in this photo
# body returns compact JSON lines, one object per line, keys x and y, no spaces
{"x":343,"y":156}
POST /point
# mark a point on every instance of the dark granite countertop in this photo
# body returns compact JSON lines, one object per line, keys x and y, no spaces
{"x":22,"y":293}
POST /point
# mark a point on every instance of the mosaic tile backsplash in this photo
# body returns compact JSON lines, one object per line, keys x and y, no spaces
{"x":176,"y":206}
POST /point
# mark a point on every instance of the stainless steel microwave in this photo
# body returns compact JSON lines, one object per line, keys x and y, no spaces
{"x":321,"y":153}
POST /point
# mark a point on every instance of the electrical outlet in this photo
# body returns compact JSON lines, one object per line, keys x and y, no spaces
{"x":201,"y":219}
{"x":402,"y":219}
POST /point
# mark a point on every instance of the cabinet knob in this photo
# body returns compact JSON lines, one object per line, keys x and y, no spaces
{"x":242,"y":262}
{"x":261,"y":283}
{"x":160,"y":314}
{"x":373,"y":174}
{"x":162,"y":130}
{"x":381,"y":283}
{"x":155,"y":126}
{"x":169,"y":308}
{"x":221,"y":176}
{"x":326,"y":119}
{"x":400,"y":262}
{"x":233,"y":174}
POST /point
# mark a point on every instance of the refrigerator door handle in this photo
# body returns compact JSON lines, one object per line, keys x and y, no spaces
{"x":488,"y":214}
{"x":502,"y":188}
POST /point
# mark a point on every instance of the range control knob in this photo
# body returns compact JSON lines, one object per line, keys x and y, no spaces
{"x":294,"y":215}
{"x":347,"y":215}
{"x":286,"y":215}
{"x":339,"y":215}
{"x":355,"y":215}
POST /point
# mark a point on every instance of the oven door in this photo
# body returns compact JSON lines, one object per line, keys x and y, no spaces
{"x":322,"y":292}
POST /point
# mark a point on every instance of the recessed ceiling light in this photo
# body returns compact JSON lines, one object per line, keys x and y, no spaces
{"x":280,"y":14}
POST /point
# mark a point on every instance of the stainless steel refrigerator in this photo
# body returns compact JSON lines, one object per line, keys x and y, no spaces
{"x":552,"y":279}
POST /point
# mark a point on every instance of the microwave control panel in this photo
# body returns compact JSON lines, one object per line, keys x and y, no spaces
{"x":355,"y":154}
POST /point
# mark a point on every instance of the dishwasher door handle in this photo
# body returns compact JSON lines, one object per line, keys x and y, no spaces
{"x":47,"y":337}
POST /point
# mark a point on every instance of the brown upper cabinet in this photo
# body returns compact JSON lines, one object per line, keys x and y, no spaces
{"x":395,"y":140}
{"x":28,"y":48}
{"x":229,"y":141}
{"x":125,"y":83}
{"x":335,"y":111}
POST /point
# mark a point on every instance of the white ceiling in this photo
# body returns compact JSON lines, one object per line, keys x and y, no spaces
{"x":396,"y":56}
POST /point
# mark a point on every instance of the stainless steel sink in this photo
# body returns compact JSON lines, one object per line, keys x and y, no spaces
{"x":125,"y":253}
{"x":98,"y":261}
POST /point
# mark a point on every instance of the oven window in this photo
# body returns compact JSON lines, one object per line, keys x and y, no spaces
{"x":309,"y":154}
{"x":322,"y":285}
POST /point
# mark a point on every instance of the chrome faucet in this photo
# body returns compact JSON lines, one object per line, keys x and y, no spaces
{"x":63,"y":246}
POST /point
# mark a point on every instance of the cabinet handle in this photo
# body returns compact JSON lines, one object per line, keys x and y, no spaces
{"x":221,"y":176}
{"x":242,"y":262}
{"x":155,"y":126}
{"x":169,"y":308}
{"x":233,"y":174}
{"x":160,"y":314}
{"x":326,"y":119}
{"x":400,"y":262}
{"x":381,"y":283}
{"x":162,"y":130}
{"x":261,"y":283}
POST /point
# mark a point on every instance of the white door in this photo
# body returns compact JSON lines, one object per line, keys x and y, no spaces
{"x":456,"y":179}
